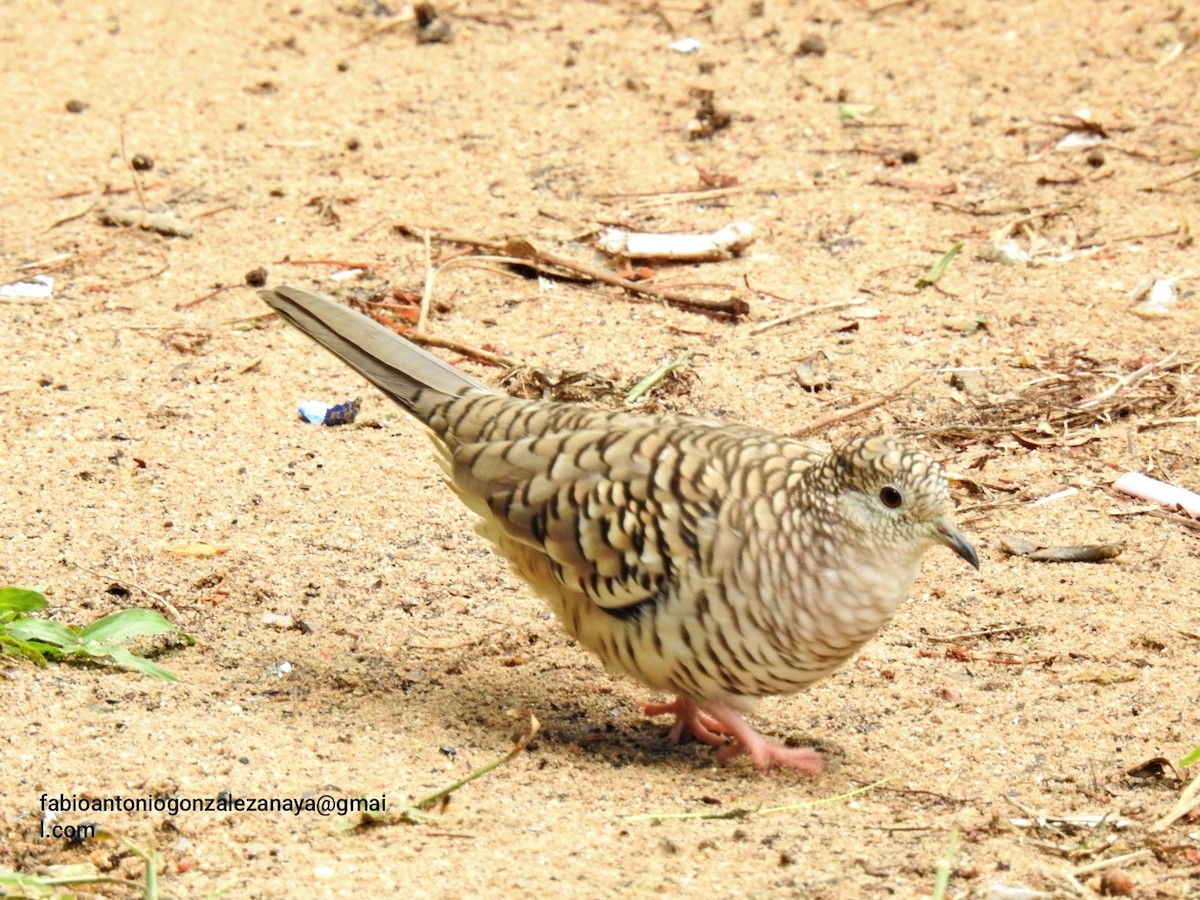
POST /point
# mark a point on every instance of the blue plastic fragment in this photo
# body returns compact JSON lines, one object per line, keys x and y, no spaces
{"x":314,"y":412}
{"x":343,"y":413}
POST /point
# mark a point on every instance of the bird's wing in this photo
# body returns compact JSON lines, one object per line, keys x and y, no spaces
{"x":613,"y":511}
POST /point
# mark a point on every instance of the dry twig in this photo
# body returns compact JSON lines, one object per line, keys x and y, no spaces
{"x":825,"y":421}
{"x":522,"y":252}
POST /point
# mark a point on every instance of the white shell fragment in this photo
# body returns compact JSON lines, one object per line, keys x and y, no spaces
{"x":36,"y":287}
{"x":720,"y":244}
{"x":685,"y":45}
{"x":1135,"y":484}
{"x":1057,"y":495}
{"x":1155,"y":296}
{"x":279,"y":620}
{"x":1079,"y":140}
{"x":1156,"y":300}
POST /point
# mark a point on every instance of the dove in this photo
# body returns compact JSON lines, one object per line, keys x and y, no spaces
{"x":719,"y":563}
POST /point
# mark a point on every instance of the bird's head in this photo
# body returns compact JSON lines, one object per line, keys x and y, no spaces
{"x":898,"y":494}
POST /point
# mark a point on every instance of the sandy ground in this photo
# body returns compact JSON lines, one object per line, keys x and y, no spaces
{"x":141,"y":411}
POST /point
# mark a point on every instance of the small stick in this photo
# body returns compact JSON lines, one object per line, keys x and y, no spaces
{"x":340,"y":263}
{"x":1127,"y":380}
{"x":884,"y":7}
{"x":71,"y":218}
{"x":1173,"y":420}
{"x":1100,"y":864}
{"x":476,"y":353}
{"x":525,"y":254}
{"x":963,"y":655}
{"x":427,"y":294}
{"x":986,"y":632}
{"x":367,"y":230}
{"x":137,"y":178}
{"x":763,"y":291}
{"x":825,"y":421}
{"x":1163,"y":184}
{"x":922,"y":187}
{"x":648,"y":200}
{"x":523,"y":250}
{"x":804,"y":313}
{"x":1174,"y":517}
{"x":1138,"y":237}
{"x":45,"y":262}
{"x":742,"y":812}
{"x":124,"y":582}
{"x":213,"y":212}
{"x":190,"y":303}
{"x":427,"y":340}
{"x":1188,"y":800}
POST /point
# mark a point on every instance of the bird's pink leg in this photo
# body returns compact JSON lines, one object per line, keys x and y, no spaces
{"x":763,"y":752}
{"x":715,"y":721}
{"x":689,"y":718}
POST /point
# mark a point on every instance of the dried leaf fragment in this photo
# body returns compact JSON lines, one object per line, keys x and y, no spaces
{"x":135,"y":217}
{"x":1072,"y":553}
{"x":197,"y":549}
{"x":1102,"y":676}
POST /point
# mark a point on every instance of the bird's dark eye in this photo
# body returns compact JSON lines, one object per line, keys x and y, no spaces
{"x":890,"y":497}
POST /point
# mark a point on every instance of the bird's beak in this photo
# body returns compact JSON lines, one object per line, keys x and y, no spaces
{"x":944,"y":532}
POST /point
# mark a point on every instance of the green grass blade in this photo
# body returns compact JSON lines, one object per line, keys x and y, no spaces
{"x":644,"y":386}
{"x":945,"y":867}
{"x":128,"y":660}
{"x":940,"y":267}
{"x":119,"y":627}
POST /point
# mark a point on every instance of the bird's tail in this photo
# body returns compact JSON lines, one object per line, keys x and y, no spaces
{"x":399,"y":368}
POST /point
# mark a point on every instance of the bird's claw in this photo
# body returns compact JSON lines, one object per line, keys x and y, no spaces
{"x":690,"y":718}
{"x":714,"y":725}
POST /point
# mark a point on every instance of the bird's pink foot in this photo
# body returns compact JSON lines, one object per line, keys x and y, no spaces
{"x":766,"y":753}
{"x":690,"y":718}
{"x":715,"y":722}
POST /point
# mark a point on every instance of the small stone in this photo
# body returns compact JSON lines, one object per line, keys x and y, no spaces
{"x":431,"y":28}
{"x":970,"y":383}
{"x":812,"y":45}
{"x":1115,"y":883}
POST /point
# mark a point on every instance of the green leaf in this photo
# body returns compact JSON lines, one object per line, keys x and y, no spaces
{"x":44,"y":630}
{"x":855,"y":111}
{"x":123,"y":657}
{"x":119,"y":627}
{"x":940,"y":267}
{"x":1192,"y":757}
{"x":21,"y":600}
